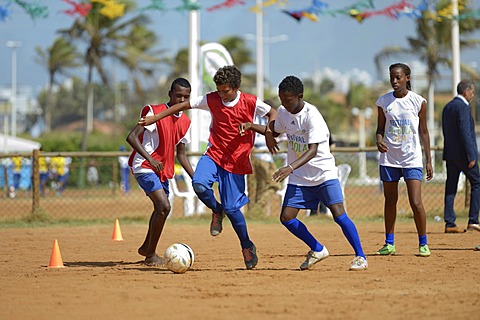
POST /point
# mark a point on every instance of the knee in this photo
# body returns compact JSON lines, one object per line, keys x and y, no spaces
{"x":416,"y":204}
{"x":163,"y":209}
{"x":199,"y":188}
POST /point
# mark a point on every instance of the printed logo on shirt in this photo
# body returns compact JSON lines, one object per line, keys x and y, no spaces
{"x":297,"y":144}
{"x":400,"y":130}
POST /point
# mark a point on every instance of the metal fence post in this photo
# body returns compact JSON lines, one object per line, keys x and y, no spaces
{"x":35,"y":182}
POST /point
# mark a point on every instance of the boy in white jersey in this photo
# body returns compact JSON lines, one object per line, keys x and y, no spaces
{"x":153,"y":158}
{"x":227,"y":158}
{"x":402,"y":123}
{"x":311,"y":171}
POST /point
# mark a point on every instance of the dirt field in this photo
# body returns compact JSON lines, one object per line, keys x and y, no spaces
{"x":104,"y":279}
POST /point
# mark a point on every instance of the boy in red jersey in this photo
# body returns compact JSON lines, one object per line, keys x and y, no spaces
{"x":227,"y":158}
{"x":152,"y":161}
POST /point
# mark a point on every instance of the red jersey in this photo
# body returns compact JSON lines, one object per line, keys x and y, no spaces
{"x":228,"y":148}
{"x":160,"y":140}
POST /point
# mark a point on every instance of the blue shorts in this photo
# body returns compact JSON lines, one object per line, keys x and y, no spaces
{"x":231,"y":186}
{"x":329,"y":192}
{"x":150,"y":182}
{"x":392,"y":174}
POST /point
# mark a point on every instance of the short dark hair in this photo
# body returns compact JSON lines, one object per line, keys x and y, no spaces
{"x":464,"y":85}
{"x":181,"y":82}
{"x":228,"y":75}
{"x":291,"y":84}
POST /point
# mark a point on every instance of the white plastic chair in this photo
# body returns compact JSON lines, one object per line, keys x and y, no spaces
{"x":344,"y":170}
{"x":189,"y":196}
{"x":343,"y":173}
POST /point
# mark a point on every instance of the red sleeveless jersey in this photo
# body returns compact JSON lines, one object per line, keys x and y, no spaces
{"x":161,"y":143}
{"x":228,"y":148}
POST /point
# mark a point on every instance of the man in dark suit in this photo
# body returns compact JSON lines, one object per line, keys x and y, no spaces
{"x":461,"y":155}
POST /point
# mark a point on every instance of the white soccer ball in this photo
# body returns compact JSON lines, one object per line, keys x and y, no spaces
{"x":178,"y":258}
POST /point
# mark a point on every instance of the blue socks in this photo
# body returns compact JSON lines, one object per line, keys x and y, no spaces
{"x":422,"y":240}
{"x":390,"y":238}
{"x":350,"y":232}
{"x":297,"y":228}
{"x":240,"y":226}
{"x":208,"y":198}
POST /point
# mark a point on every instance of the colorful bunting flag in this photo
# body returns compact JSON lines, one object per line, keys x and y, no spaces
{"x":78,"y":8}
{"x":4,"y":12}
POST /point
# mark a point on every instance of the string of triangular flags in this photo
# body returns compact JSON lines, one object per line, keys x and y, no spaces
{"x":359,"y":10}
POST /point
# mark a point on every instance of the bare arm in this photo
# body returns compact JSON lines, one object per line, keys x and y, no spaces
{"x":272,"y":144}
{"x":425,"y":138}
{"x":183,"y":159}
{"x":135,"y":143}
{"x":176,"y":108}
{"x":380,"y":133}
{"x":285,"y":171}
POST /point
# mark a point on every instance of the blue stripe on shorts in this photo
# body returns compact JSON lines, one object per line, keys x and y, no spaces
{"x":392,"y":174}
{"x":150,"y":182}
{"x":329,"y":192}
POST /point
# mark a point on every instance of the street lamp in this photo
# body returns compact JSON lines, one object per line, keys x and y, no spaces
{"x":14,"y":45}
{"x":263,"y":69}
{"x":362,"y":156}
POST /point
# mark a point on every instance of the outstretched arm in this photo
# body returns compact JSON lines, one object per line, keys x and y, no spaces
{"x":176,"y":108}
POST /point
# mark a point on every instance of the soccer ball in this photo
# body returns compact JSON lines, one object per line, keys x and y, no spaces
{"x":178,"y":258}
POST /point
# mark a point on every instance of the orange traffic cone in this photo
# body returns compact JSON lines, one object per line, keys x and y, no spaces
{"x":117,"y":233}
{"x":56,"y":257}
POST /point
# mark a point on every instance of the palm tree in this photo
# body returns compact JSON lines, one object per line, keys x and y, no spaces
{"x":433,"y":46}
{"x":104,"y":38}
{"x":138,"y":56}
{"x":57,"y":59}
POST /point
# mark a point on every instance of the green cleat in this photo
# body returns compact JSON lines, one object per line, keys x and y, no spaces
{"x":424,"y":251}
{"x":387,"y":249}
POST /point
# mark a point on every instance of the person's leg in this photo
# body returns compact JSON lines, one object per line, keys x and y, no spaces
{"x":453,"y":173}
{"x":203,"y":178}
{"x":288,"y":217}
{"x":390,"y":193}
{"x":158,"y":194}
{"x":232,"y":195}
{"x":302,"y":197}
{"x":156,"y":224}
{"x":125,"y":179}
{"x":413,"y":179}
{"x":414,"y":188}
{"x":390,"y":177}
{"x":473,"y":175}
{"x":206,"y":173}
{"x":231,"y":188}
{"x":331,"y":194}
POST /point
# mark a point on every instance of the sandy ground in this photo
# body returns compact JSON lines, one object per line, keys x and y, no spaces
{"x":105,"y":279}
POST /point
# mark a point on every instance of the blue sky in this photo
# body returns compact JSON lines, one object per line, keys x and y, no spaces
{"x":338,"y":42}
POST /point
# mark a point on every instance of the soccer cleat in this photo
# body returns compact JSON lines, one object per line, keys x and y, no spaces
{"x":387,"y":249}
{"x":250,"y":257}
{"x":424,"y":251}
{"x":358,"y":264}
{"x":314,"y":257}
{"x":216,"y":224}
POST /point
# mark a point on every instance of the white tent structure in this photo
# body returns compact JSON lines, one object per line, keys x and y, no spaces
{"x":9,"y":144}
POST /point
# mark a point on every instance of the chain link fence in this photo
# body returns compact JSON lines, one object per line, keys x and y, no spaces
{"x":90,"y":187}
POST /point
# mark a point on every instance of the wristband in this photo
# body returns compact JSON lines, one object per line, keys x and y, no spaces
{"x":291,"y":167}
